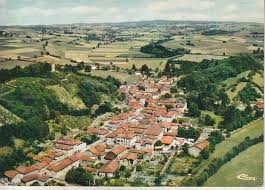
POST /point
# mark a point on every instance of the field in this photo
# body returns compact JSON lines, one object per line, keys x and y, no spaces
{"x":248,"y":162}
{"x":211,"y":45}
{"x":118,"y":75}
{"x":252,"y":130}
{"x":152,"y":63}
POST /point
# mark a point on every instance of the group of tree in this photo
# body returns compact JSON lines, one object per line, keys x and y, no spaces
{"x":248,"y":94}
{"x":90,"y":139}
{"x":34,"y":70}
{"x":217,"y":32}
{"x":235,"y":118}
{"x":190,"y":133}
{"x":202,"y":84}
{"x":91,"y":90}
{"x":32,"y":129}
{"x":159,"y":51}
{"x":79,"y":176}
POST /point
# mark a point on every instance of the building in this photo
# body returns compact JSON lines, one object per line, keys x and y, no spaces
{"x":35,"y":178}
{"x":69,"y":147}
{"x":13,"y":176}
{"x":115,"y":153}
{"x":129,"y":159}
{"x":109,"y":169}
{"x":127,"y":138}
{"x":168,"y":142}
{"x":59,"y":169}
{"x":196,"y":149}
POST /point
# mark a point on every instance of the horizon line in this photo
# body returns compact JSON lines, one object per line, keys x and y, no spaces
{"x":256,"y":22}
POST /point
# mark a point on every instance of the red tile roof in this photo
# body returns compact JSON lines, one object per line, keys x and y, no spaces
{"x":41,"y":165}
{"x":90,"y":169}
{"x":26,"y":169}
{"x":167,"y":140}
{"x":153,"y":131}
{"x":109,"y":167}
{"x":202,"y":145}
{"x":118,"y":150}
{"x":68,"y":142}
{"x":32,"y":177}
{"x":60,"y":165}
{"x":129,"y":156}
{"x":11,"y":173}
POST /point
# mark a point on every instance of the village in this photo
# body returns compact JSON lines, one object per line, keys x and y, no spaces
{"x":144,"y":133}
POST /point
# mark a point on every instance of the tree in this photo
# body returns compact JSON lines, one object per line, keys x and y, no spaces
{"x":204,"y":154}
{"x":158,"y":143}
{"x":209,"y":121}
{"x":167,"y":69}
{"x":145,"y":70}
{"x":103,"y":108}
{"x":167,"y":95}
{"x":158,"y":181}
{"x":194,"y":110}
{"x":134,"y":67}
{"x":185,"y":148}
{"x":168,"y":107}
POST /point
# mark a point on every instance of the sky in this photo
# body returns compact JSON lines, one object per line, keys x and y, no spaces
{"x":34,"y":12}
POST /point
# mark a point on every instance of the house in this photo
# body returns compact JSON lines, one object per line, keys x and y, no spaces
{"x":42,"y":166}
{"x":145,"y":143}
{"x":168,"y":116}
{"x":59,"y":169}
{"x":129,"y":159}
{"x":32,"y":178}
{"x":196,"y":149}
{"x":155,"y":131}
{"x":109,"y":169}
{"x":114,"y":124}
{"x":69,"y":147}
{"x":91,"y":170}
{"x":168,"y":142}
{"x":14,"y":177}
{"x":145,"y":154}
{"x":27,"y":170}
{"x":85,"y":159}
{"x":110,"y":138}
{"x":100,"y":132}
{"x":115,"y":153}
{"x":98,"y":151}
{"x":127,"y":138}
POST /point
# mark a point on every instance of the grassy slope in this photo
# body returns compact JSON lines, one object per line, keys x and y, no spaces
{"x":259,"y":80}
{"x":7,"y":117}
{"x":71,"y":100}
{"x":248,"y":162}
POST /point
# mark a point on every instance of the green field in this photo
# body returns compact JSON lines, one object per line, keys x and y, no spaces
{"x":248,"y":162}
